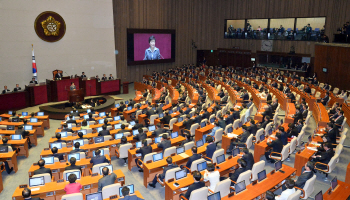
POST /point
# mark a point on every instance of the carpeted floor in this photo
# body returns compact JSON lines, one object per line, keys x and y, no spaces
{"x":134,"y":177}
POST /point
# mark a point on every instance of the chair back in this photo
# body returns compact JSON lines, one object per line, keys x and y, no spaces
{"x":96,"y":168}
{"x":217,"y":153}
{"x":243,"y":119}
{"x":201,"y":193}
{"x":295,"y":195}
{"x":245,"y":176}
{"x":152,"y":118}
{"x":300,"y":137}
{"x":47,"y":177}
{"x":257,"y":167}
{"x":169,"y":151}
{"x":342,"y":139}
{"x":194,"y":164}
{"x":188,"y":145}
{"x":293,"y":145}
{"x":171,"y":173}
{"x":268,"y":127}
{"x":332,"y":163}
{"x":149,"y":157}
{"x":249,"y":141}
{"x":123,"y":150}
{"x":171,"y":123}
{"x":110,"y":190}
{"x":218,"y":135}
{"x":223,"y":187}
{"x":309,"y":186}
{"x":285,"y":152}
{"x":227,"y":127}
{"x":344,"y":131}
{"x":235,"y":124}
{"x":75,"y":196}
{"x":138,"y":113}
{"x":107,"y":137}
{"x":258,"y":134}
{"x":193,"y":129}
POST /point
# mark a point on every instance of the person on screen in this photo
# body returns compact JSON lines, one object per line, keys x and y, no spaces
{"x":152,"y":53}
{"x":72,"y":86}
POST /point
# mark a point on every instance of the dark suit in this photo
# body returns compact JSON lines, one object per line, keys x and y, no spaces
{"x":294,"y":131}
{"x":43,"y":170}
{"x":59,"y":156}
{"x":234,"y":176}
{"x":104,"y":132}
{"x":245,"y":97}
{"x":72,"y":167}
{"x":252,"y":129}
{"x":143,"y":151}
{"x":191,"y":159}
{"x":298,"y":115}
{"x":194,"y":186}
{"x":339,"y":121}
{"x":276,"y":145}
{"x":71,"y":121}
{"x":159,"y":110}
{"x":332,"y":135}
{"x":67,"y":130}
{"x":158,"y":131}
{"x":222,"y":124}
{"x":211,"y":148}
{"x":139,"y":137}
{"x":229,"y":119}
{"x":166,"y":119}
{"x":224,"y":99}
{"x":35,"y":82}
{"x":240,"y":141}
{"x":206,"y":115}
{"x":300,"y":183}
{"x":236,"y":114}
{"x":197,"y":119}
{"x":98,"y":160}
{"x":164,"y":144}
{"x":284,"y":138}
{"x":326,"y":156}
{"x":325,"y":100}
{"x":249,"y":159}
{"x":137,"y":126}
{"x":188,"y":123}
{"x":150,"y":112}
{"x":162,"y":176}
{"x":304,"y":113}
{"x":307,"y":90}
{"x":77,"y":151}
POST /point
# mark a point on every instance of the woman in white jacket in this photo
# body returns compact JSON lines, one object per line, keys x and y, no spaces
{"x":212,"y":176}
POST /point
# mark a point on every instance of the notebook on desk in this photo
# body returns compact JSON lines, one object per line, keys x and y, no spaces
{"x":184,"y":155}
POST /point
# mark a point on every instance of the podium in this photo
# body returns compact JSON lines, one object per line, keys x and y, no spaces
{"x":76,"y":95}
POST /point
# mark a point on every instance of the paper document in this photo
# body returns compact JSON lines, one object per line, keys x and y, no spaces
{"x":184,"y":155}
{"x":138,"y":155}
{"x":183,"y":189}
{"x":312,"y":148}
{"x":232,"y":135}
{"x":35,"y":189}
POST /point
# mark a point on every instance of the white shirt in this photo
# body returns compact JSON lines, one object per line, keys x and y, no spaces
{"x":285,"y":194}
{"x":213,"y":178}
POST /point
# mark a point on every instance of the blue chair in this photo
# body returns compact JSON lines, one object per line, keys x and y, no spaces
{"x":289,"y":29}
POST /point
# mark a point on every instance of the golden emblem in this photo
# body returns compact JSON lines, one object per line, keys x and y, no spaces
{"x":51,"y":26}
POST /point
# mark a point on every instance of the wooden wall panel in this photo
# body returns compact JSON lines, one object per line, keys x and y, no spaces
{"x":203,"y":22}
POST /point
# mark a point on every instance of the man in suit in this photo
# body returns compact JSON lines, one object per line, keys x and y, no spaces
{"x":188,"y":122}
{"x":332,"y":133}
{"x":197,"y":118}
{"x":216,"y":127}
{"x":26,"y":194}
{"x":77,"y":148}
{"x":161,"y":177}
{"x":284,"y":136}
{"x":71,"y":120}
{"x":206,"y":114}
{"x":307,"y":89}
{"x":286,"y":89}
{"x":339,"y":120}
{"x":324,"y":156}
{"x":104,"y":131}
{"x":72,"y":166}
{"x":137,"y":125}
{"x":305,"y":111}
{"x":55,"y":153}
{"x":166,"y":119}
{"x":245,"y":96}
{"x":59,"y":140}
{"x":221,"y":122}
{"x":305,"y":176}
{"x":58,"y":76}
{"x":194,"y":157}
{"x":224,"y":99}
{"x":276,"y":145}
{"x":292,"y":131}
{"x":66,"y":129}
{"x":98,"y":159}
{"x":42,"y":169}
{"x":17,"y":88}
{"x":33,"y":81}
{"x":104,"y":78}
{"x":164,"y":143}
{"x":221,"y":94}
{"x":211,"y":148}
{"x":250,"y":102}
{"x":196,"y":185}
{"x":298,"y":115}
{"x":141,"y":136}
{"x":144,"y":150}
{"x":299,"y":125}
{"x":150,"y":112}
{"x":240,"y":141}
{"x":229,"y":119}
{"x":242,"y":167}
{"x":107,"y":179}
{"x":158,"y":131}
{"x":159,"y":109}
{"x":248,"y":158}
{"x":125,"y":192}
{"x":83,"y":75}
{"x":122,"y":130}
{"x":5,"y":90}
{"x":252,"y":128}
{"x":325,"y":99}
{"x":268,"y":111}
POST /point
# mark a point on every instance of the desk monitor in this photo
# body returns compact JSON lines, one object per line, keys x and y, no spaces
{"x":64,"y":134}
{"x":180,"y":150}
{"x":154,"y":108}
{"x":132,"y":123}
{"x":334,"y":183}
{"x":199,"y":143}
{"x":94,"y":196}
{"x":49,"y":160}
{"x":235,"y":152}
{"x":262,"y":175}
{"x":262,"y":137}
{"x":119,"y":135}
{"x":180,"y":174}
{"x":102,"y":114}
{"x":24,"y":113}
{"x":130,"y":108}
{"x":84,"y":131}
{"x":158,"y":156}
{"x":0,"y":119}
{"x":203,"y":124}
{"x":178,"y":108}
{"x":202,"y":166}
{"x":10,"y":127}
{"x":99,"y":129}
{"x":110,"y":167}
{"x":174,"y":135}
{"x":157,"y":140}
{"x":99,"y":139}
{"x":191,"y":114}
{"x":204,"y":137}
{"x":74,"y":155}
{"x":77,"y":173}
{"x":215,"y":196}
{"x":278,"y":165}
{"x":131,"y":188}
{"x":135,"y":132}
{"x":319,"y":196}
{"x":161,"y":115}
{"x":138,"y":144}
{"x":118,"y":126}
{"x":56,"y":144}
{"x":40,"y":114}
{"x":15,"y":120}
{"x":171,"y":112}
{"x":167,"y":102}
{"x":230,"y":130}
{"x":80,"y":141}
{"x":117,"y":105}
{"x":270,"y":131}
{"x":16,"y":137}
{"x":161,"y":105}
{"x":101,"y":154}
{"x":126,"y":102}
{"x":212,"y":120}
{"x":4,"y":149}
{"x":146,"y":102}
{"x":180,"y":119}
{"x":69,"y":125}
{"x":239,"y":187}
{"x":240,"y":124}
{"x":220,"y":159}
{"x":10,"y":112}
{"x":101,"y":121}
{"x":151,"y":128}
{"x":28,"y":127}
{"x":88,"y":110}
{"x":116,"y":118}
{"x":33,"y":120}
{"x":37,"y":181}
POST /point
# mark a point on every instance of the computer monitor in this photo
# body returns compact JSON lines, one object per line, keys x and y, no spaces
{"x":84,"y":131}
{"x":161,"y":115}
{"x":126,"y":102}
{"x":15,"y":120}
{"x":174,"y":135}
{"x":118,"y":126}
{"x":240,"y":124}
{"x":40,"y":114}
{"x":28,"y":127}
{"x":138,"y":144}
{"x":204,"y":137}
{"x":4,"y":149}
{"x":56,"y":144}
{"x":319,"y":196}
{"x":334,"y":183}
{"x":132,"y":123}
{"x":230,"y":130}
{"x":199,"y":143}
{"x":10,"y":127}
{"x":99,"y":129}
{"x":130,"y":108}
{"x":101,"y":121}
{"x":37,"y":181}
{"x":80,"y":141}
{"x":131,"y":188}
{"x":119,"y":135}
{"x":49,"y":160}
{"x":102,"y":114}
{"x":220,"y":159}
{"x":16,"y":137}
{"x":239,"y":187}
{"x":64,"y":134}
{"x":262,"y":175}
{"x":69,"y":125}
{"x":180,"y":174}
{"x":10,"y":112}
{"x":278,"y":165}
{"x":135,"y":132}
{"x":180,"y":119}
{"x":99,"y":139}
{"x":157,"y":140}
{"x":171,"y":112}
{"x":203,"y":124}
{"x":94,"y":196}
{"x":116,"y":118}
{"x":74,"y":155}
{"x":235,"y":152}
{"x":262,"y":137}
{"x":212,"y":120}
{"x":161,"y":105}
{"x":151,"y":128}
{"x":33,"y":120}
{"x":215,"y":196}
{"x":77,"y":173}
{"x":270,"y":131}
{"x":24,"y":113}
{"x":110,"y":167}
{"x":167,"y":102}
{"x":88,"y":110}
{"x":191,"y":114}
{"x":146,"y":102}
{"x":0,"y":119}
{"x":178,"y":108}
{"x":180,"y":150}
{"x":101,"y":154}
{"x":158,"y":156}
{"x":117,"y":105}
{"x":202,"y":166}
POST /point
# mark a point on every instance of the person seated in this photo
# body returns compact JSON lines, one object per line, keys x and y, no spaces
{"x":305,"y":111}
{"x":66,"y":129}
{"x":71,"y":120}
{"x":243,"y":110}
{"x":17,"y":88}
{"x":187,"y":139}
{"x":141,"y":136}
{"x":269,"y":195}
{"x":196,"y":185}
{"x":158,"y":131}
{"x":23,"y":133}
{"x":104,"y":78}
{"x":33,"y":81}
{"x":14,"y":116}
{"x":224,"y":99}
{"x":298,"y":115}
{"x":107,"y":179}
{"x":325,"y":99}
{"x":98,"y":159}
{"x":165,"y":143}
{"x":42,"y":169}
{"x":242,"y":167}
{"x":340,"y":118}
{"x":150,"y":111}
{"x":72,"y":187}
{"x":122,"y":130}
{"x":84,"y":125}
{"x":161,"y":177}
{"x":292,"y":131}
{"x":5,"y":90}
{"x":212,"y":175}
{"x":284,"y":136}
{"x":77,"y":148}
{"x":252,"y":128}
{"x":122,"y":120}
{"x":221,"y":122}
{"x":194,"y":157}
{"x":240,"y":141}
{"x":306,"y":175}
{"x":26,"y":194}
{"x":276,"y":145}
{"x":230,"y":118}
{"x":104,"y":131}
{"x":72,"y":166}
{"x":54,"y":151}
{"x":188,"y":122}
{"x":144,"y":150}
{"x":248,"y":158}
{"x":211,"y":148}
{"x":289,"y":191}
{"x":126,"y":196}
{"x":123,"y":140}
{"x":75,"y":112}
{"x":58,"y":137}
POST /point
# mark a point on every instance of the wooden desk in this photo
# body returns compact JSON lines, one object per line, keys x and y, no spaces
{"x":89,"y":185}
{"x":137,"y":193}
{"x":45,"y":119}
{"x":39,"y":126}
{"x":138,"y":97}
{"x":128,"y":113}
{"x":32,"y":135}
{"x":11,"y":159}
{"x":201,"y":131}
{"x":346,"y":110}
{"x":342,"y":191}
{"x":320,"y":115}
{"x":20,"y":144}
{"x":289,"y":113}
